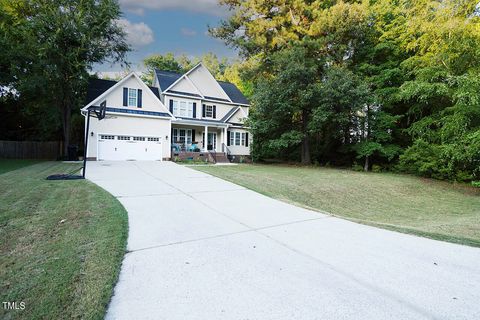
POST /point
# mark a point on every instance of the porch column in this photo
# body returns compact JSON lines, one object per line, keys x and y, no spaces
{"x":224,"y":139}
{"x":205,"y":140}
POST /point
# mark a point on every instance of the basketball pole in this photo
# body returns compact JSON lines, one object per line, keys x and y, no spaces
{"x":86,"y":144}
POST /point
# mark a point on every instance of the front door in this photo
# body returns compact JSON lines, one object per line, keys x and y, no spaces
{"x":211,"y":141}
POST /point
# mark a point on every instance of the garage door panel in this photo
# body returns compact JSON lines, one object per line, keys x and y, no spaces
{"x":124,"y":147}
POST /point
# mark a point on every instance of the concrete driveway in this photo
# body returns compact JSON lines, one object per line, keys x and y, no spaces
{"x":203,"y":248}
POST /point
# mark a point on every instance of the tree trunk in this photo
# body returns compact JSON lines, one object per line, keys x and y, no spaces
{"x":365,"y":167}
{"x":66,"y":117}
{"x":306,"y":159}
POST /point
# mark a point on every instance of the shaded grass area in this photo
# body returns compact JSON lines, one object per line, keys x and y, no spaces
{"x":61,"y":244}
{"x":7,"y":165}
{"x":428,"y":208}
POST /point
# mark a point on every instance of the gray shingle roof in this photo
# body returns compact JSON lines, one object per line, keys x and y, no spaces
{"x":166,"y":78}
{"x":233,"y":92}
{"x":229,"y":113}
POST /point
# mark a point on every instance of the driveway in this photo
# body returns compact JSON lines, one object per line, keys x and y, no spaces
{"x":203,"y":248}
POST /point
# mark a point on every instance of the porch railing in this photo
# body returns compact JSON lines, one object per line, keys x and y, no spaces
{"x":226,"y":150}
{"x":213,"y":155}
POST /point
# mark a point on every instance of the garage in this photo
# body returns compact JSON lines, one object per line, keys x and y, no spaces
{"x":127,"y":147}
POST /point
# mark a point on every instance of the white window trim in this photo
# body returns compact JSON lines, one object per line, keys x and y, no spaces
{"x":207,"y":106}
{"x":242,"y":138}
{"x":176,"y":110}
{"x":188,"y":136}
{"x":130,"y":96}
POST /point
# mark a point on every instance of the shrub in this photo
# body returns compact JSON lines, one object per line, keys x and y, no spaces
{"x":376,"y":168}
{"x":454,"y":161}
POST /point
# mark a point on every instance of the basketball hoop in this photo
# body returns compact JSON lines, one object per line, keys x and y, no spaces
{"x":101,"y":111}
{"x":98,"y":112}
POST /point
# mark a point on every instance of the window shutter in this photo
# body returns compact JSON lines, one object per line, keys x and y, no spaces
{"x":214,"y":112}
{"x":171,"y":106}
{"x":203,"y":111}
{"x":193,"y":134}
{"x":194,"y":109}
{"x":125,"y":97}
{"x":246,"y":139}
{"x":228,"y":138}
{"x":139,"y":98}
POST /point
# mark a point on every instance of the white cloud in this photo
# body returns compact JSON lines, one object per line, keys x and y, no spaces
{"x":138,"y":34}
{"x":203,"y":6}
{"x":188,"y":32}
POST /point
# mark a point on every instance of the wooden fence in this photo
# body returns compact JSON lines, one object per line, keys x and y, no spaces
{"x":50,"y":150}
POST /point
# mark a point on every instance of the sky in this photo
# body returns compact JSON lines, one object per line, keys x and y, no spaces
{"x":178,"y":26}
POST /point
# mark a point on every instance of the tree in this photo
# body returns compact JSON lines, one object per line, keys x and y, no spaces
{"x":61,"y":40}
{"x":442,"y":88}
{"x":165,"y":62}
{"x":285,"y":102}
{"x":182,"y":64}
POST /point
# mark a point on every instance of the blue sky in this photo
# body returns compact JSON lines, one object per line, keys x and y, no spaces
{"x":178,"y":26}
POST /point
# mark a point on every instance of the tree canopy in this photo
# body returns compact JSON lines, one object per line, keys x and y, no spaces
{"x":392,"y":83}
{"x":48,"y":47}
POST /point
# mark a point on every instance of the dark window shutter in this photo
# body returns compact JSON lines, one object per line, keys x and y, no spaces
{"x":171,"y":106}
{"x":203,"y":111}
{"x":193,"y":135}
{"x":139,"y":98}
{"x":194,"y":109}
{"x":125,"y":97}
{"x":246,"y":139}
{"x":228,"y":138}
{"x":214,"y":112}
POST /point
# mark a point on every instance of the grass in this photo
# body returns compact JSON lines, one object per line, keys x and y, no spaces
{"x":14,"y":164}
{"x":424,"y":207}
{"x":61,"y":244}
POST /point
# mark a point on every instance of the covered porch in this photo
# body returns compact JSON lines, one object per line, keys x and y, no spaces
{"x":195,"y":136}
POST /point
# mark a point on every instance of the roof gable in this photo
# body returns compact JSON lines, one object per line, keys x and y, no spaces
{"x":112,"y":91}
{"x":206,"y":83}
{"x":235,"y":115}
{"x":191,"y":84}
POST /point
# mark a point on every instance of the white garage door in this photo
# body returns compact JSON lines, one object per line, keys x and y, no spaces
{"x":124,"y":147}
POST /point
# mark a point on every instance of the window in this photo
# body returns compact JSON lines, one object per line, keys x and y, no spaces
{"x":107,"y":137}
{"x":153,"y":139}
{"x":182,"y":136}
{"x":132,"y":97}
{"x":123,"y":138}
{"x":208,"y":111}
{"x":237,"y":138}
{"x":183,"y":108}
{"x":138,"y":138}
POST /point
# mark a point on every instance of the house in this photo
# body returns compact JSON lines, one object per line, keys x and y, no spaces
{"x":189,"y":115}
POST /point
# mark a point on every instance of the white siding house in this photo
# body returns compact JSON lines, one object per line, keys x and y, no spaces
{"x":137,"y":125}
{"x":179,"y":114}
{"x":203,"y":106}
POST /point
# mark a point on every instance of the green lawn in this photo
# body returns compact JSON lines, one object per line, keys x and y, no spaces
{"x":61,"y":244}
{"x":14,"y":164}
{"x":424,"y":207}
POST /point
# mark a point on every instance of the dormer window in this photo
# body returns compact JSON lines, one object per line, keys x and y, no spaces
{"x":132,"y":97}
